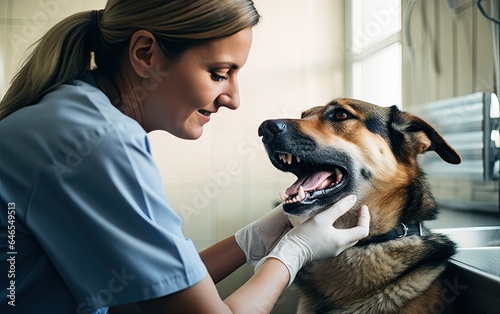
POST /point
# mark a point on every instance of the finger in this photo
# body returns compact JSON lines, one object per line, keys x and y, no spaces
{"x":364,"y":217}
{"x":363,"y":228}
{"x":338,"y":209}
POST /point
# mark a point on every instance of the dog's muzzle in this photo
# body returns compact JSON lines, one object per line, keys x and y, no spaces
{"x":320,"y":174}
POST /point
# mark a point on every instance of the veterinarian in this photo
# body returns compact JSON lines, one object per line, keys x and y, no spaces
{"x":89,"y":226}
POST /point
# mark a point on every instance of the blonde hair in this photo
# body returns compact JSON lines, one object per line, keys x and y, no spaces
{"x":64,"y":52}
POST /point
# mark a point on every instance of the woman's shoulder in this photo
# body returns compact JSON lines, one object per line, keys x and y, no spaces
{"x":80,"y":102}
{"x":73,"y":109}
{"x":74,"y":116}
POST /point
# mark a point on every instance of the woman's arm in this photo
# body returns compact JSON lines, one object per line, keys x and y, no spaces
{"x":274,"y":272}
{"x":258,"y":295}
{"x":222,"y":258}
{"x":264,"y":289}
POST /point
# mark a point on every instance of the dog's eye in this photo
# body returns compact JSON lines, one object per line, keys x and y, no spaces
{"x":339,"y":115}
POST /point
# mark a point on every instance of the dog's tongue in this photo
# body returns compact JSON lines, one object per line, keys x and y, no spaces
{"x":312,"y":181}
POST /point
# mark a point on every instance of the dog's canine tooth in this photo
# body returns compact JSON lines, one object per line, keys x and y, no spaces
{"x":289,"y":159}
{"x":301,"y":194}
{"x":297,"y":198}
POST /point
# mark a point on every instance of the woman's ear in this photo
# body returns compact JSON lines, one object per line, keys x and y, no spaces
{"x":144,"y":53}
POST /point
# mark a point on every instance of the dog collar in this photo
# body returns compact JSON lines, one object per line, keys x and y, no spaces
{"x":400,"y":232}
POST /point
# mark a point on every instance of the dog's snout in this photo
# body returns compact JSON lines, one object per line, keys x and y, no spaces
{"x":269,"y":128}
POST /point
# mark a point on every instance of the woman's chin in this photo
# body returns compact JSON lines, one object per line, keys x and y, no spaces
{"x":190,"y":134}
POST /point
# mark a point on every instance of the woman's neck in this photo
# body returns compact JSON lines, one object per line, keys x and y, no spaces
{"x":120,"y":92}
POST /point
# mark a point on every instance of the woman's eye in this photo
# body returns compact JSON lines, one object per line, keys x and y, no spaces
{"x":217,"y":77}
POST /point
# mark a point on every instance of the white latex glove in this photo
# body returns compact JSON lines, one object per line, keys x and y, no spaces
{"x":317,"y":239}
{"x":258,"y":238}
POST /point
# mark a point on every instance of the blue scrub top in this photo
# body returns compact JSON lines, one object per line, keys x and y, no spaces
{"x":83,"y":205}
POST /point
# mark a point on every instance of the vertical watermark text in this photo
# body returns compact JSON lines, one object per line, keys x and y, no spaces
{"x":11,"y":253}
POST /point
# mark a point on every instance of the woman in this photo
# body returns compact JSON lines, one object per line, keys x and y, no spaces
{"x":90,"y":225}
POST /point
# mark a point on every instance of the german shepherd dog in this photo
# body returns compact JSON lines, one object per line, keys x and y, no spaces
{"x":353,"y":147}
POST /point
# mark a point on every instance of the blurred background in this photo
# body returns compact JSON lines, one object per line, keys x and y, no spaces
{"x":305,"y":53}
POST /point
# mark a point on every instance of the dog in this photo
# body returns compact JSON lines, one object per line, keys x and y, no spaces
{"x":353,"y":147}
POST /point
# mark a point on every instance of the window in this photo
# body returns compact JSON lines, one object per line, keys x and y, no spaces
{"x":374,"y":52}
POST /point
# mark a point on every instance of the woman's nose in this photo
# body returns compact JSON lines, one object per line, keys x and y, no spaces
{"x":230,"y":97}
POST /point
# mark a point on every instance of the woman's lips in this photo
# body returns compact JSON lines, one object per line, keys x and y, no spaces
{"x":205,"y":115}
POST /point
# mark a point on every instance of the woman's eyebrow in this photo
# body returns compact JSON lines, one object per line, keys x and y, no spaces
{"x":229,"y":65}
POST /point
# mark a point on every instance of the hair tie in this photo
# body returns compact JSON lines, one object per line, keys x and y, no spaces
{"x":93,"y":17}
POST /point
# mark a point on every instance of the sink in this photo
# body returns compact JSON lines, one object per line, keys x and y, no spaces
{"x":473,"y":237}
{"x":485,"y":259}
{"x":473,"y":273}
{"x":478,"y":250}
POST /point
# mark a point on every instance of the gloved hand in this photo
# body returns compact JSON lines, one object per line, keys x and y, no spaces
{"x":258,"y":238}
{"x":317,"y":239}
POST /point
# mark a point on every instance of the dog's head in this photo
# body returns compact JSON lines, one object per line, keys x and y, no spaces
{"x":353,"y":147}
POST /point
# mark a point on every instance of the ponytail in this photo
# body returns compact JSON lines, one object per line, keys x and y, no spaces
{"x":62,"y":54}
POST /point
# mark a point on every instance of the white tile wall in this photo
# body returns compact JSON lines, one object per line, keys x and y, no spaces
{"x":23,"y":22}
{"x":3,"y":9}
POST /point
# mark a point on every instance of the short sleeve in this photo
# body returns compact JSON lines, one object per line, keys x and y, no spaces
{"x":106,"y":224}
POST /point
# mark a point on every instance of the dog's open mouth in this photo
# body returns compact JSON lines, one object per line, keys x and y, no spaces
{"x":315,"y":181}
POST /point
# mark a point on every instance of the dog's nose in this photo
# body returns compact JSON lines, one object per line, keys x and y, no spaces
{"x":269,"y":128}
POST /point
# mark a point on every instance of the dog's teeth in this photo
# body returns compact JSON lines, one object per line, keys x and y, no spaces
{"x":301,"y":194}
{"x":287,"y":158}
{"x":282,"y":157}
{"x":297,"y":198}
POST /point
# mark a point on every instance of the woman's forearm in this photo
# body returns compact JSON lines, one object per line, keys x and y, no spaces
{"x":222,"y":258}
{"x":260,"y":293}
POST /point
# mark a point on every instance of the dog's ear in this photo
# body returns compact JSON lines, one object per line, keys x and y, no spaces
{"x":425,"y":138}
